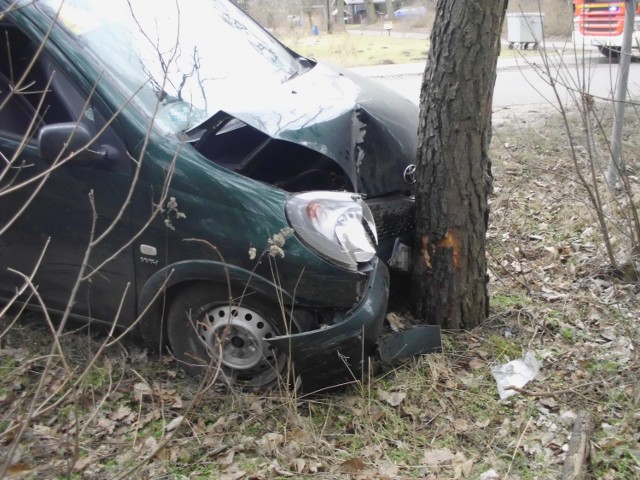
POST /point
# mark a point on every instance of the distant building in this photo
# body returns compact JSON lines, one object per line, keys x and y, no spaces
{"x":356,"y":10}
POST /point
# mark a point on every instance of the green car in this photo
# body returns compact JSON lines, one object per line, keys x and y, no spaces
{"x":178,"y":171}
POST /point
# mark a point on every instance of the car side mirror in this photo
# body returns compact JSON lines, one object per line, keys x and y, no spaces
{"x":61,"y":140}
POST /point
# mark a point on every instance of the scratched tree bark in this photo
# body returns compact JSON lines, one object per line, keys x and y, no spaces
{"x":453,"y":167}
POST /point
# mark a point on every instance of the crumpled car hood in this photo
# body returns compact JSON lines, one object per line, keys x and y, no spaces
{"x":369,"y":130}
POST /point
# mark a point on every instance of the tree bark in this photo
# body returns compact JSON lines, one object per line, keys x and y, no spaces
{"x":453,"y":167}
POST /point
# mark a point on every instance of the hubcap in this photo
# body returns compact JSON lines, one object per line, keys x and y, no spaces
{"x":237,"y":335}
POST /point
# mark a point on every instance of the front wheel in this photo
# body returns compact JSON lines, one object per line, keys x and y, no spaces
{"x":209,"y":334}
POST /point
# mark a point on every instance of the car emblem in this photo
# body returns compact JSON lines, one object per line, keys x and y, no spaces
{"x":409,"y":174}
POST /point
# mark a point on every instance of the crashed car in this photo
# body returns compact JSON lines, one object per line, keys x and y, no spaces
{"x":237,"y":203}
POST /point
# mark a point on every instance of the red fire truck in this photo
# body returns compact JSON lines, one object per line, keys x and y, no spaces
{"x":600,"y":23}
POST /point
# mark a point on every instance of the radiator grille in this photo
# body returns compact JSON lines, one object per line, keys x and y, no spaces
{"x":394,"y":215}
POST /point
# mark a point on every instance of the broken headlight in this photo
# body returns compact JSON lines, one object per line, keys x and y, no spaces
{"x":338,"y":225}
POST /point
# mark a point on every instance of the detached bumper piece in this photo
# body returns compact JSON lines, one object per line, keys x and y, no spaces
{"x":419,"y":340}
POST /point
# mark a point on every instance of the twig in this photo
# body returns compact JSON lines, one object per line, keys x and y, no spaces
{"x":578,"y":452}
{"x":515,"y":450}
{"x":534,"y":393}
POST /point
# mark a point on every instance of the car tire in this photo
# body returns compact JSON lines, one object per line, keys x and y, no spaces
{"x":612,"y":53}
{"x":209,"y":335}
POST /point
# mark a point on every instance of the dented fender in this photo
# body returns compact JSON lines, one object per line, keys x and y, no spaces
{"x":151,"y":299}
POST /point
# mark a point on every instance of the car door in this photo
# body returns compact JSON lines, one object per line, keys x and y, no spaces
{"x":50,"y":212}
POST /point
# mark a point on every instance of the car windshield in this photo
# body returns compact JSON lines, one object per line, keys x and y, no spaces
{"x":179,"y":61}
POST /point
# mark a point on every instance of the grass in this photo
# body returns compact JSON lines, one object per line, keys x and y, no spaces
{"x":510,"y":300}
{"x":356,"y":50}
{"x":503,"y":349}
{"x":349,"y":50}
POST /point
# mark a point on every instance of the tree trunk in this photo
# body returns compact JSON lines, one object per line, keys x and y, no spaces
{"x":389,"y":5}
{"x":453,"y":167}
{"x":339,"y":25}
{"x":372,"y":17}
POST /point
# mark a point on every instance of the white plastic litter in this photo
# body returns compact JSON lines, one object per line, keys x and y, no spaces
{"x":516,"y":373}
{"x":488,"y":475}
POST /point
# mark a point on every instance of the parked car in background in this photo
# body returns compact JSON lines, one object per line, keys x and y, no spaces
{"x":410,"y":12}
{"x":240,"y":201}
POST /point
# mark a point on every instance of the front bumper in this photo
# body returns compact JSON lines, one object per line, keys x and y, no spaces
{"x":337,"y":354}
{"x":603,"y":39}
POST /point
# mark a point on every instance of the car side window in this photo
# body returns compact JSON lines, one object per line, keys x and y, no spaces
{"x":16,"y":114}
{"x":29,"y":97}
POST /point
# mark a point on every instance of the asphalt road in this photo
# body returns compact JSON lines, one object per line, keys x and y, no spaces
{"x":526,"y":81}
